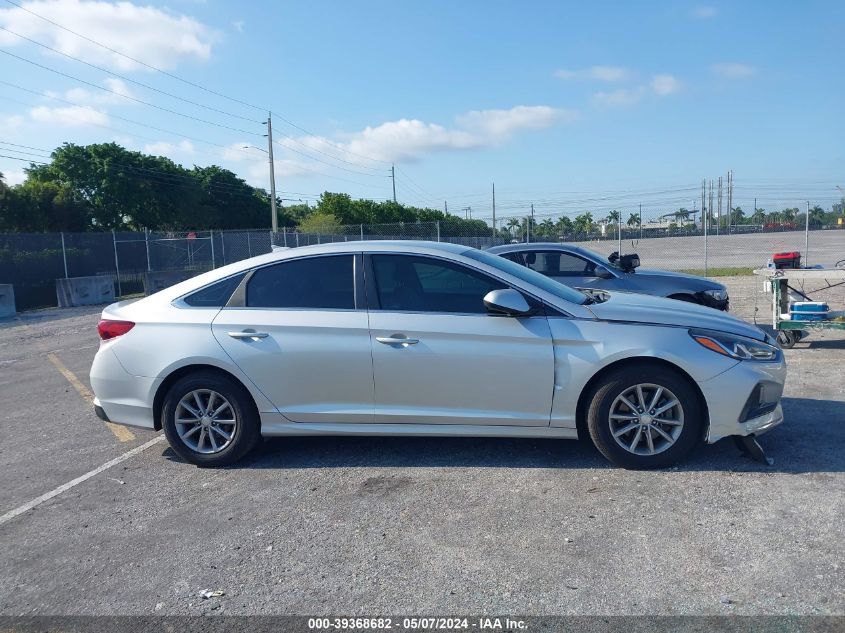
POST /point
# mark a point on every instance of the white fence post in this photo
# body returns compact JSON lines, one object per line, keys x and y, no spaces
{"x":248,"y":245}
{"x":147,"y":241}
{"x":211,"y":236}
{"x":438,"y":230}
{"x":64,"y":254}
{"x":362,"y":232}
{"x":116,"y":263}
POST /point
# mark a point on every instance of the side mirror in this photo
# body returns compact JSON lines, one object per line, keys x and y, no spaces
{"x":603,"y":273}
{"x":508,"y":302}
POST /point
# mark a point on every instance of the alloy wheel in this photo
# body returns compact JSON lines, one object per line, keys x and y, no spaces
{"x":646,"y":419}
{"x":205,"y":421}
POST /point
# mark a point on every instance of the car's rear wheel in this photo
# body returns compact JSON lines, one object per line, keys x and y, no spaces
{"x":210,"y":419}
{"x":645,"y":416}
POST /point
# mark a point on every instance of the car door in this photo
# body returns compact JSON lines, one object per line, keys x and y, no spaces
{"x":299,"y":330}
{"x":440,"y":358}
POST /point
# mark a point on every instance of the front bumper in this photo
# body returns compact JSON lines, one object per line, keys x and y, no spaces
{"x":728,"y":395}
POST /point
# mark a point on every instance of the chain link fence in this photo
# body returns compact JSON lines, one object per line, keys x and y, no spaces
{"x":33,"y":262}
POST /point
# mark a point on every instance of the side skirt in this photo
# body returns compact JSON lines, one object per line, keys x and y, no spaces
{"x":273,"y":429}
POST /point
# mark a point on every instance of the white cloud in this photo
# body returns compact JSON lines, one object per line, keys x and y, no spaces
{"x":734,"y":70}
{"x":703,"y":12}
{"x":84,"y":96}
{"x":400,"y":140}
{"x":660,"y":85}
{"x":665,"y":85}
{"x":600,"y":73}
{"x":11,"y":123}
{"x":407,"y":139}
{"x":154,"y":35}
{"x":70,"y":116}
{"x":165,"y":148}
{"x":239,"y":25}
{"x":14,"y":176}
{"x":500,"y":125}
{"x":619,"y":98}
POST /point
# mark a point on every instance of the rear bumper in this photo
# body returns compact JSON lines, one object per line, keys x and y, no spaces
{"x":121,"y":398}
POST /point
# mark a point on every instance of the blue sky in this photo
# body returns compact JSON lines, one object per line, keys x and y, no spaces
{"x":569,"y":105}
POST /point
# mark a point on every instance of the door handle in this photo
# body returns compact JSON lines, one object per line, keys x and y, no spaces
{"x":395,"y":340}
{"x":245,"y":335}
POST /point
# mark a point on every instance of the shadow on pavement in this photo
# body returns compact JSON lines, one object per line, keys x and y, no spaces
{"x":809,"y":441}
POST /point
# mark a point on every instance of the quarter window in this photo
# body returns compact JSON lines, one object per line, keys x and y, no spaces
{"x":424,"y":284}
{"x":308,"y":283}
{"x":216,"y":295}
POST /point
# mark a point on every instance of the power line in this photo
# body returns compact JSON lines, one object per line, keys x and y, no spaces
{"x":137,"y":61}
{"x":191,"y":83}
{"x":125,"y":96}
{"x":129,"y":79}
{"x":352,"y":171}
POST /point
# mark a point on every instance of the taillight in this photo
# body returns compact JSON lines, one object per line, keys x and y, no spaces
{"x":107,"y":328}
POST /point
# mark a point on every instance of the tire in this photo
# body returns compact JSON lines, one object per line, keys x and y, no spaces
{"x":202,"y":441}
{"x":652,"y":449}
{"x":787,"y":338}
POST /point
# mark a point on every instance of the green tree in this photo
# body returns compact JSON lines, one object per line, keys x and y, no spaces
{"x":633,"y":220}
{"x":320,"y":222}
{"x":583,"y":223}
{"x":563,"y":226}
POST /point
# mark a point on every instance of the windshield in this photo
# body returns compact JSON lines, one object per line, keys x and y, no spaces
{"x":526,"y":274}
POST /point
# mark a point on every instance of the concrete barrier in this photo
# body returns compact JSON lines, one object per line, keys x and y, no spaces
{"x":160,"y":279}
{"x":7,"y":300}
{"x":84,"y":291}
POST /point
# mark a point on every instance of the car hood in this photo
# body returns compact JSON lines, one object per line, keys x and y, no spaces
{"x":694,"y":281}
{"x":639,"y":308}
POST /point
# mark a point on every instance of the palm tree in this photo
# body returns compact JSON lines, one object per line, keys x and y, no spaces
{"x":512,"y":225}
{"x":633,"y":220}
{"x":546,"y":228}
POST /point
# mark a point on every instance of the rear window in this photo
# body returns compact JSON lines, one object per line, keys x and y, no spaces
{"x":216,"y":295}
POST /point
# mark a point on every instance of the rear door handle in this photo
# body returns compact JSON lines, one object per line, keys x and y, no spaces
{"x":243,"y":335}
{"x":395,"y":340}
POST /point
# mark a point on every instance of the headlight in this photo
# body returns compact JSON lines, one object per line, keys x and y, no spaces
{"x":738,"y":347}
{"x":719,"y":295}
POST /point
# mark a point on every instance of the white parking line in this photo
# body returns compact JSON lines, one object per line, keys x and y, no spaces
{"x":75,"y":482}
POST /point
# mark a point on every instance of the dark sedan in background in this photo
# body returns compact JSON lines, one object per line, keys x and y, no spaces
{"x":582,"y":268}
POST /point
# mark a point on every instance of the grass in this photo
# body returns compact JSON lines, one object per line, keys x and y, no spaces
{"x":727,"y":271}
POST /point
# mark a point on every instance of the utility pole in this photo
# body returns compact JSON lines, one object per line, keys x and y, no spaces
{"x":719,"y":214}
{"x":640,"y":217}
{"x":730,"y":198}
{"x":494,"y":210}
{"x":393,"y":178}
{"x":528,"y":224}
{"x":755,"y":210}
{"x":703,"y":202}
{"x":807,"y":237}
{"x":274,"y":221}
{"x":446,"y":207}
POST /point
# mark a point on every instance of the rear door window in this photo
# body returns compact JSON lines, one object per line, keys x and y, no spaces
{"x":309,"y":283}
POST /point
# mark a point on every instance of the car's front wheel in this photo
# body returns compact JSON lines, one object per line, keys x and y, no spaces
{"x":645,"y":416}
{"x":209,"y":419}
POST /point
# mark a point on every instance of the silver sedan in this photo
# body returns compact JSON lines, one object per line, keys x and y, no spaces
{"x":421,"y":338}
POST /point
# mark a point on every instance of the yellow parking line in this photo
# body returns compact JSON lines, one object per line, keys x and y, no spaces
{"x":120,"y":432}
